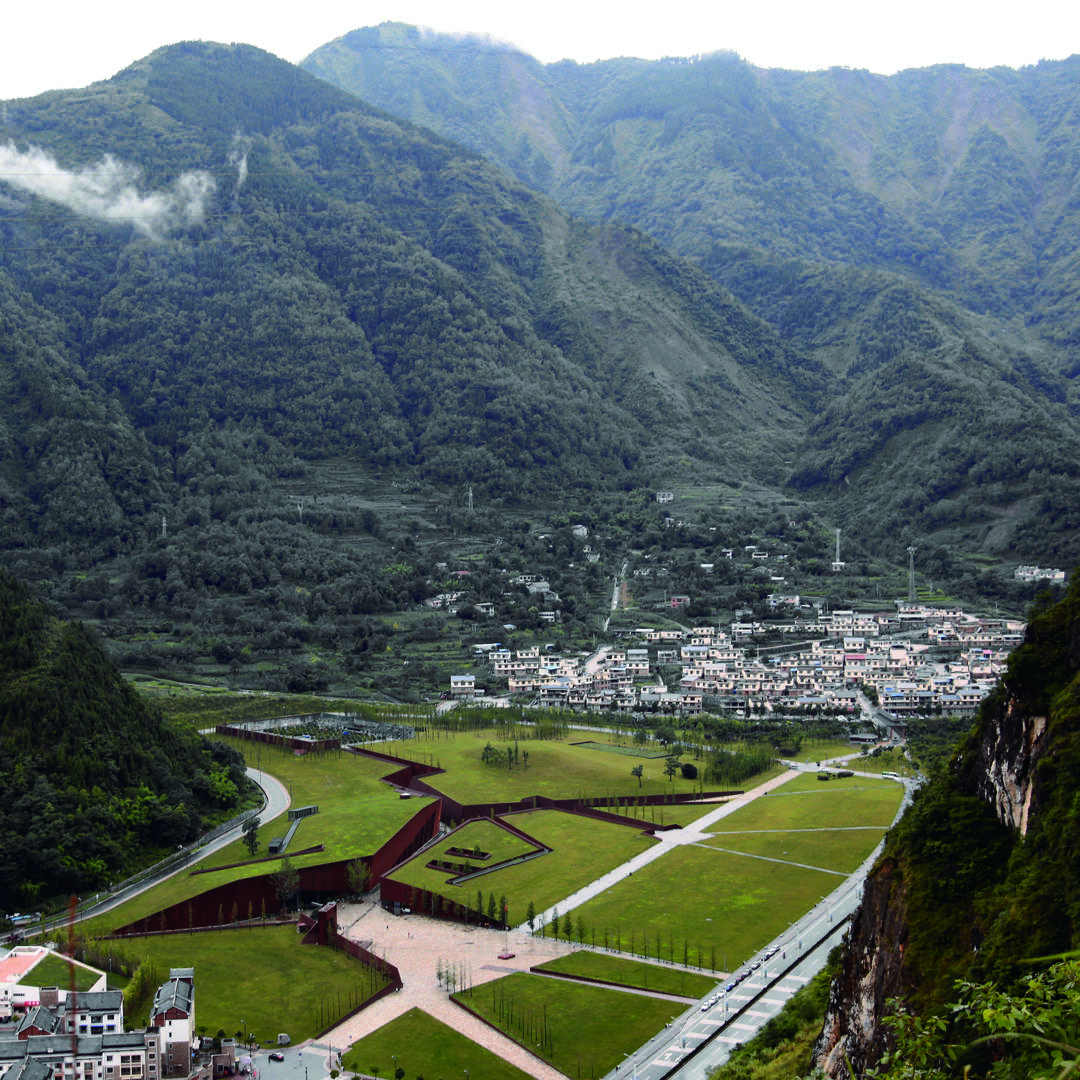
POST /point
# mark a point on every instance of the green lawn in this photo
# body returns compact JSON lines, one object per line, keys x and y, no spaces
{"x":729,"y":904}
{"x":805,"y":802}
{"x":841,"y":850}
{"x":56,"y":970}
{"x":261,"y":979}
{"x":617,"y":969}
{"x":623,"y":748}
{"x":357,"y":813}
{"x":665,"y":813}
{"x":584,"y":1031}
{"x":892,"y":760}
{"x":713,"y":908}
{"x":582,"y":849}
{"x":424,"y":1046}
{"x":555,"y":768}
{"x":814,"y":750}
{"x":489,"y":837}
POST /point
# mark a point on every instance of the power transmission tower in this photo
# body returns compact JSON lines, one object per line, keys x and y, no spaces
{"x":470,"y":499}
{"x":911,"y":573}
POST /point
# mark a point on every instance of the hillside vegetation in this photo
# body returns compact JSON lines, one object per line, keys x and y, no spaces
{"x":93,"y":782}
{"x":910,"y":234}
{"x":264,"y":346}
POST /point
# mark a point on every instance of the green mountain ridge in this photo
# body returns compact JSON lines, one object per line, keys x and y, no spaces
{"x":93,"y":782}
{"x":917,"y":223}
{"x":430,"y":297}
{"x":958,"y":178}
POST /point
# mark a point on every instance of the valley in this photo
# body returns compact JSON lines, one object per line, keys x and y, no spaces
{"x":461,"y":402}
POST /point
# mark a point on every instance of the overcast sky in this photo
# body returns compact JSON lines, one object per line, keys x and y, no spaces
{"x":46,"y":46}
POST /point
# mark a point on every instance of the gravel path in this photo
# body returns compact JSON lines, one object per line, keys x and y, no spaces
{"x":415,"y":944}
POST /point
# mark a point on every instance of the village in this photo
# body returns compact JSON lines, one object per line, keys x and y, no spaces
{"x":49,"y":1031}
{"x":915,"y":660}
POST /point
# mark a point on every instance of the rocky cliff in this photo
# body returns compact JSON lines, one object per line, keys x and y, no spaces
{"x":871,"y":971}
{"x":978,"y":878}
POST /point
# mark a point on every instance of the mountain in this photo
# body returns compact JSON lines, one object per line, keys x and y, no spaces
{"x":910,"y":234}
{"x":221,"y":277}
{"x":979,"y":881}
{"x":93,"y":782}
{"x":957,"y":178}
{"x":303,"y":266}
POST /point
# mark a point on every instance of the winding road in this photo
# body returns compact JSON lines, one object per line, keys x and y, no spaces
{"x":275,"y":803}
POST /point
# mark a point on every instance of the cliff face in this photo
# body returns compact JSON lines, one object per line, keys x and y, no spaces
{"x":871,"y":972}
{"x":979,"y":873}
{"x":1005,"y":772}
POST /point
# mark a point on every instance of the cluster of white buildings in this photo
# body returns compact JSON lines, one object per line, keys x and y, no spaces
{"x":1038,"y":573}
{"x":846,"y":650}
{"x":53,"y":1033}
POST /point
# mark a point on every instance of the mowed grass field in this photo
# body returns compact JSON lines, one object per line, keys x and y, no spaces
{"x":582,"y":849}
{"x":57,"y":970}
{"x":837,"y":850}
{"x":805,"y":802}
{"x":487,"y":836}
{"x":718,"y":902}
{"x":713,"y":908}
{"x":636,"y":973}
{"x":584,"y":1031}
{"x":666,"y":813}
{"x":357,"y":813}
{"x":555,"y":768}
{"x":892,"y":760}
{"x":424,"y":1046}
{"x":261,"y":979}
{"x":814,"y":750}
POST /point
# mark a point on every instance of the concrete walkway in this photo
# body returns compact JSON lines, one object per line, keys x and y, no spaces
{"x":416,"y":945}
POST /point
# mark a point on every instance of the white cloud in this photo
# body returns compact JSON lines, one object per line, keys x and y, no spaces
{"x":107,"y":191}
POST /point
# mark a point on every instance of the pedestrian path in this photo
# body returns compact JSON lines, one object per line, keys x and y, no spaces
{"x":693,"y":833}
{"x":418,"y":947}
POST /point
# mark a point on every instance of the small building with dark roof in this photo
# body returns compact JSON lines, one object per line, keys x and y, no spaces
{"x":173,"y":1014}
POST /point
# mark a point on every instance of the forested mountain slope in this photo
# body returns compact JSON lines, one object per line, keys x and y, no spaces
{"x":248,"y":246}
{"x":960,"y":179}
{"x":92,"y":782}
{"x":909,"y":234}
{"x":215,"y":268}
